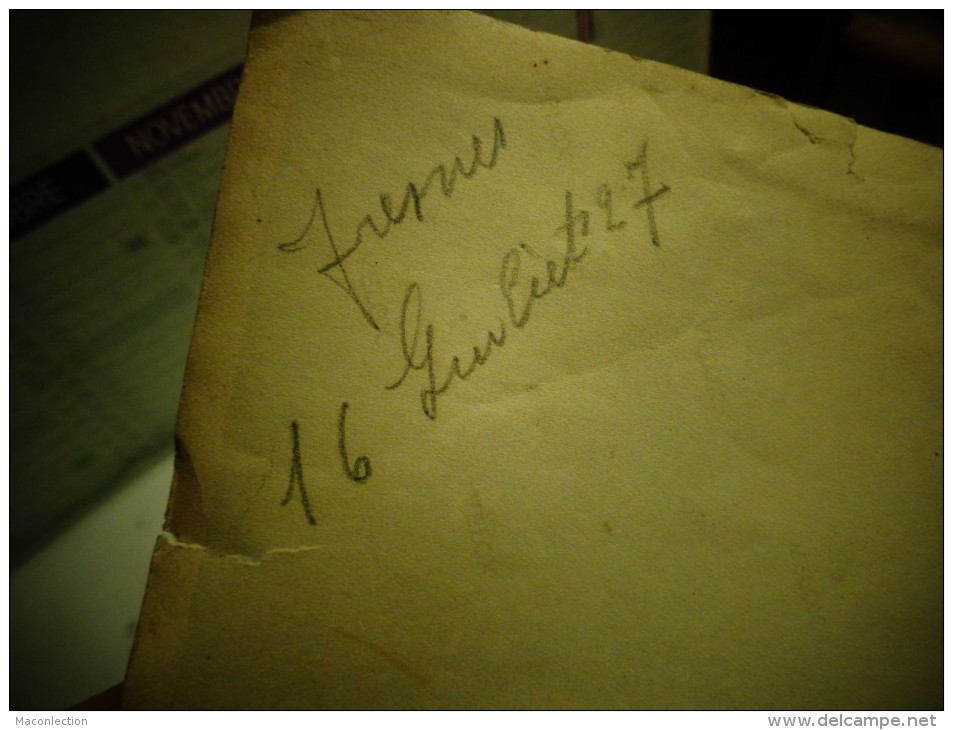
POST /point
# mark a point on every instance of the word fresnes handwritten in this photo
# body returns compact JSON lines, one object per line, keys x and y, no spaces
{"x":413,"y":194}
{"x":524,"y":278}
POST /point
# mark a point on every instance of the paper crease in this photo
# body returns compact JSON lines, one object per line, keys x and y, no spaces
{"x":174,"y":541}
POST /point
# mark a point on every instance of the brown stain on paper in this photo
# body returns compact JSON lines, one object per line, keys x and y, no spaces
{"x":389,"y":657}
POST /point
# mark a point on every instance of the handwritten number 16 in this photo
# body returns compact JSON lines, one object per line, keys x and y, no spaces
{"x":360,"y":471}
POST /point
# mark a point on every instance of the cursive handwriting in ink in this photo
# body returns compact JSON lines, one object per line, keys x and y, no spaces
{"x":360,"y":471}
{"x":413,"y":196}
{"x":648,"y":201}
{"x":296,"y":478}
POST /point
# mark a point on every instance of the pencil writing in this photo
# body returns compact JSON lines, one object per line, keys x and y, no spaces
{"x":442,"y":177}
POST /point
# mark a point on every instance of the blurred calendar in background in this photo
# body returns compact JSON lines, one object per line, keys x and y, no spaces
{"x":115,"y":161}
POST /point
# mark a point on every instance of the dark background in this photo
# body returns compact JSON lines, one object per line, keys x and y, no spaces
{"x":884,"y":69}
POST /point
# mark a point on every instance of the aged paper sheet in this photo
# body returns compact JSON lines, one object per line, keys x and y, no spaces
{"x":530,"y":375}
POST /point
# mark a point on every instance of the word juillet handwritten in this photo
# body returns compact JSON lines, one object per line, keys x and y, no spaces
{"x":523,"y":279}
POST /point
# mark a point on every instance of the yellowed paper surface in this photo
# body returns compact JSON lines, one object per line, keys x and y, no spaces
{"x":529,"y":375}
